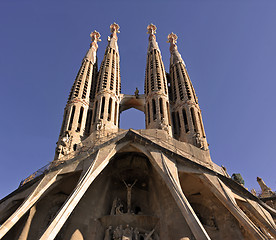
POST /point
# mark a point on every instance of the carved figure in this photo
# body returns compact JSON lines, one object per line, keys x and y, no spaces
{"x":99,"y":125}
{"x":198,"y":140}
{"x":118,"y":210}
{"x":127,"y":233}
{"x":129,"y":187}
{"x":136,"y":233}
{"x":136,"y":93}
{"x":107,"y":233}
{"x":118,"y":233}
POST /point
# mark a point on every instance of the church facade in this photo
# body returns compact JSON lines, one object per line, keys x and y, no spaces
{"x":155,"y":183}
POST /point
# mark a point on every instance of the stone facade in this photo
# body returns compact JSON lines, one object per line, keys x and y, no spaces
{"x":153,"y":183}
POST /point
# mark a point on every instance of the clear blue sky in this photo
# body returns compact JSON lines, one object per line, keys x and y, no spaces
{"x":229,"y":48}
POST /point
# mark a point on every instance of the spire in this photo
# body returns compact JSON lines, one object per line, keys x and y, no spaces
{"x":156,"y":90}
{"x":77,"y":113}
{"x":91,"y":53}
{"x":152,"y":38}
{"x":175,"y":55}
{"x":108,"y":88}
{"x":186,"y":113}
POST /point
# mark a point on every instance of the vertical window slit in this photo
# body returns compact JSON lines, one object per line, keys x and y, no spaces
{"x":71,"y":118}
{"x":88,"y":121}
{"x":95,"y":111}
{"x":148,"y":113}
{"x":153,"y":109}
{"x":194,"y":119}
{"x":169,"y":115}
{"x":80,"y":119}
{"x":109,"y":109}
{"x":102,"y":108}
{"x":185,"y":120}
{"x":161,"y":107}
{"x":115,"y":114}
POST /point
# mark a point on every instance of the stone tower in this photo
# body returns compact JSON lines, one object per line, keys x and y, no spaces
{"x":78,"y":106}
{"x":156,"y":87}
{"x":186,"y":113}
{"x":108,"y":88}
{"x":133,"y":184}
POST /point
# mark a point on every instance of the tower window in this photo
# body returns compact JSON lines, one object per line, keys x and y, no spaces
{"x":148,"y":113}
{"x":174,"y":123}
{"x":95,"y":111}
{"x":88,"y":121}
{"x":153,"y":109}
{"x":80,"y":119}
{"x":178,"y":123}
{"x":102,"y":108}
{"x":115,"y":114}
{"x":161,"y":107}
{"x":169,"y":115}
{"x":185,"y":120}
{"x":109,"y":109}
{"x":194,"y":119}
{"x":71,"y":118}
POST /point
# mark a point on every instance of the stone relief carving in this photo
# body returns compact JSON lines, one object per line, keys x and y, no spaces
{"x":129,"y":233}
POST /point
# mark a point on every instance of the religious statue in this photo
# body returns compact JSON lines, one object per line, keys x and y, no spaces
{"x":136,"y":93}
{"x":127,"y":233}
{"x":118,"y":233}
{"x":198,"y":140}
{"x":99,"y":125}
{"x":129,"y":188}
{"x":107,"y":235}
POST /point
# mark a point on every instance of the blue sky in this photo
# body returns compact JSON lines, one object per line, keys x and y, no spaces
{"x":228,"y":46}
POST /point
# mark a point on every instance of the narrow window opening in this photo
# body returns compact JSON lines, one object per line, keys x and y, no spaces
{"x":185,"y":120}
{"x":169,"y":115}
{"x":153,"y":109}
{"x":71,"y":118}
{"x":148,"y":113}
{"x":75,"y":147}
{"x":174,"y":123}
{"x":178,"y":123}
{"x":95,"y":111}
{"x":194,"y":120}
{"x":102,"y":108}
{"x":80,"y":119}
{"x":109,"y":109}
{"x":161,"y":108}
{"x":88,"y":121}
{"x":115,"y":114}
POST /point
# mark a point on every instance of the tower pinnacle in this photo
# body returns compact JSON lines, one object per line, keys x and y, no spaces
{"x":156,"y":90}
{"x":186,"y":114}
{"x":76,"y":112}
{"x":175,"y":55}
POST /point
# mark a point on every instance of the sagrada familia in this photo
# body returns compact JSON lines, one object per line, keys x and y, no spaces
{"x":155,"y":183}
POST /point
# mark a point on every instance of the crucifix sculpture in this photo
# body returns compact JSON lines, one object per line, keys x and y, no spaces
{"x":129,"y":188}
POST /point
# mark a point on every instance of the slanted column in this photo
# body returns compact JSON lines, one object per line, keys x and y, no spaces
{"x":156,"y":89}
{"x":108,"y":87}
{"x":79,"y":102}
{"x":187,"y":119}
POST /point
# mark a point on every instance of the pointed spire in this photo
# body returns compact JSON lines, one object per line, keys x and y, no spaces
{"x":91,"y":53}
{"x":114,"y":28}
{"x":175,"y":55}
{"x":152,"y":38}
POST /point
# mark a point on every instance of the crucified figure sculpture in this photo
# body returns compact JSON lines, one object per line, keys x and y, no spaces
{"x":129,"y":187}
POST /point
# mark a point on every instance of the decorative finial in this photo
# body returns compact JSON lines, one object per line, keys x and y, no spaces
{"x":151,"y":29}
{"x":114,"y":28}
{"x":172,"y":37}
{"x":95,"y":36}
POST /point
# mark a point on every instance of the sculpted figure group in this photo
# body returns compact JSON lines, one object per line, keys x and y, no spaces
{"x":129,"y":233}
